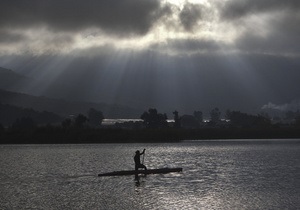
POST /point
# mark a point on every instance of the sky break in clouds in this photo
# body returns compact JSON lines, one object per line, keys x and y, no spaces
{"x":43,"y":26}
{"x":203,"y":49}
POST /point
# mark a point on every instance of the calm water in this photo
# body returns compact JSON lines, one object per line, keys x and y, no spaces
{"x":216,"y":175}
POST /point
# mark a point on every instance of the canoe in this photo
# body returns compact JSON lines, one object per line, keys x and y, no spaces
{"x":149,"y":171}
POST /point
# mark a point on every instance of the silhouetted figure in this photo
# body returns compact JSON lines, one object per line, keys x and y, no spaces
{"x":137,"y":160}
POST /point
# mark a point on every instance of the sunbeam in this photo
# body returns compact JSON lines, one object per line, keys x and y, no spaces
{"x":169,"y":54}
{"x":96,"y":75}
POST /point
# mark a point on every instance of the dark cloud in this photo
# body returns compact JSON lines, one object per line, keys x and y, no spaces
{"x":234,"y":9}
{"x":113,"y":16}
{"x":189,"y":15}
{"x":269,"y":26}
{"x":282,"y":36}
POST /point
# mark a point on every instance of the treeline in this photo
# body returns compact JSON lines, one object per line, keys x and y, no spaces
{"x":154,"y":127}
{"x":232,"y":119}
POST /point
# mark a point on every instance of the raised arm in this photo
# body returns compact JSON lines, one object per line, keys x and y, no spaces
{"x":143,"y":152}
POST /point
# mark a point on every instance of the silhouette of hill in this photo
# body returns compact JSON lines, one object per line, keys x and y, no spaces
{"x":10,"y":114}
{"x":14,"y":91}
{"x":65,"y":108}
{"x":12,"y":81}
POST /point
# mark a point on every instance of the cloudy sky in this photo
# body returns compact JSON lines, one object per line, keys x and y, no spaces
{"x":170,"y":54}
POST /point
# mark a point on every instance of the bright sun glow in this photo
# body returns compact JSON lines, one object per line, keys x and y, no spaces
{"x":169,"y":28}
{"x":182,"y":2}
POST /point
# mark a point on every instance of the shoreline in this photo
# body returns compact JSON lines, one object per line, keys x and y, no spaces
{"x":168,"y":135}
{"x":237,"y":141}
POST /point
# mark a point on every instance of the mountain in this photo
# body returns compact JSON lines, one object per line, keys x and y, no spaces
{"x":9,"y":114}
{"x":17,"y":90}
{"x":12,"y":81}
{"x":65,"y":108}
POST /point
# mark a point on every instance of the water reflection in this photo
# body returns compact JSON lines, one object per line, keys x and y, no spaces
{"x":216,"y":175}
{"x":139,"y":180}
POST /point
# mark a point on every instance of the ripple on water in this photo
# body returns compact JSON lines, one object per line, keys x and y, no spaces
{"x":215,"y":176}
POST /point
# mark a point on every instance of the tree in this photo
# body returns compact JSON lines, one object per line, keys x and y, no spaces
{"x":2,"y":129}
{"x":290,"y":115}
{"x":215,"y":115}
{"x":176,"y":120}
{"x":25,"y":123}
{"x":228,"y":114}
{"x":80,"y":120}
{"x":66,"y":123}
{"x":265,"y":115}
{"x":262,"y":121}
{"x":199,"y":116}
{"x":245,"y":120}
{"x":153,"y":119}
{"x":189,"y":121}
{"x":95,"y":117}
{"x":297,"y":122}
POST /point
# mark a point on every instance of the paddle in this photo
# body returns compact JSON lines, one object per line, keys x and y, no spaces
{"x":143,"y":156}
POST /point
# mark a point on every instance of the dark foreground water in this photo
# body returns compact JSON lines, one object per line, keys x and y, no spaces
{"x":216,"y":175}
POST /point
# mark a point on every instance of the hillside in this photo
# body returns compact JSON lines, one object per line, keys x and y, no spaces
{"x":9,"y":114}
{"x":65,"y":108}
{"x":12,"y":81}
{"x":13,"y":91}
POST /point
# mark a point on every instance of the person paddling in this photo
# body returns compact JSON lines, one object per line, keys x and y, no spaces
{"x":137,"y":160}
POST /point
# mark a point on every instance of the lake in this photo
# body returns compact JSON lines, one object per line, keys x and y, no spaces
{"x":228,"y":174}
